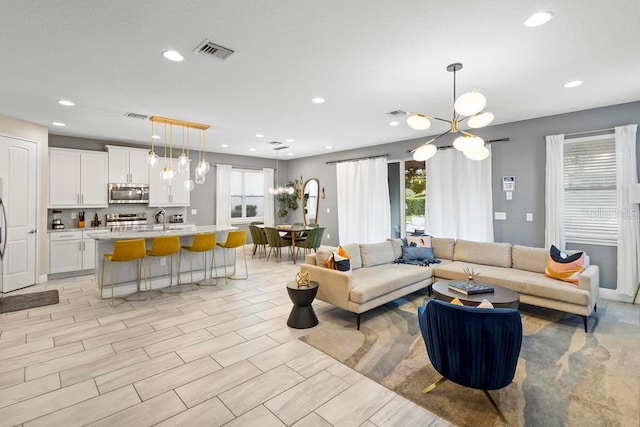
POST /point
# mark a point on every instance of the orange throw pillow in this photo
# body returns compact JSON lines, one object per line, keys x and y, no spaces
{"x":565,"y":271}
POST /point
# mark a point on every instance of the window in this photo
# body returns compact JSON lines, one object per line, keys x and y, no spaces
{"x":590,"y":215}
{"x":247,"y":195}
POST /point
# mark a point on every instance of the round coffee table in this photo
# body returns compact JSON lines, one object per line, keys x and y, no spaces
{"x":500,"y":297}
{"x":302,"y":315}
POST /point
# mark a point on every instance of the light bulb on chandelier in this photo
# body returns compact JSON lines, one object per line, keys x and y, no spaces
{"x":468,"y":107}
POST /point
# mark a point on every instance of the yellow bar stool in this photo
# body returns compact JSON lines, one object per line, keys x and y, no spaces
{"x":166,"y":246}
{"x":235,"y":239}
{"x":203,"y":243}
{"x":125,"y":251}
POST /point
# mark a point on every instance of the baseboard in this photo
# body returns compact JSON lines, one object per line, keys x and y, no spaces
{"x":613,"y":295}
{"x":43,"y":279}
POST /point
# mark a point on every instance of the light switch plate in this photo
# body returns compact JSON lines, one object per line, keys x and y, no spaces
{"x":328,"y":210}
{"x":328,"y":236}
{"x":194,"y":211}
{"x":501,"y":216}
{"x":529,"y":217}
{"x":509,"y":195}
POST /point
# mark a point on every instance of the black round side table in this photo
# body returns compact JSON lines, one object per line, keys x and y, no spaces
{"x":302,"y":315}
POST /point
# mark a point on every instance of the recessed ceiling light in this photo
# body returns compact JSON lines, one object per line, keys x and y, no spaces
{"x":290,"y":140}
{"x":394,"y":123}
{"x":155,"y":136}
{"x":225,"y":145}
{"x":58,"y":124}
{"x":259,"y":135}
{"x":252,"y":149}
{"x":574,"y":83}
{"x":317,"y":100}
{"x":328,"y":147}
{"x":66,"y":103}
{"x":538,"y":19}
{"x":172,"y":55}
{"x":289,"y":154}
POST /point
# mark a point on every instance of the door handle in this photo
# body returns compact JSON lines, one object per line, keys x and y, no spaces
{"x":32,"y":231}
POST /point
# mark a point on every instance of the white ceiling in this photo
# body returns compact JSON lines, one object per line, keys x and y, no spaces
{"x":366,"y":57}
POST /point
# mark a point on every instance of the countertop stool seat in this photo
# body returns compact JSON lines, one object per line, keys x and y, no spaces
{"x":166,"y":246}
{"x":235,"y":239}
{"x":126,"y":251}
{"x":203,"y":243}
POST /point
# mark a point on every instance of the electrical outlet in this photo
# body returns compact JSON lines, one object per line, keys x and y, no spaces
{"x":509,"y":195}
{"x":500,"y":216}
{"x":328,"y":210}
{"x":163,"y":261}
{"x":194,"y":211}
{"x":529,"y":217}
{"x":74,"y":215}
{"x":328,"y":236}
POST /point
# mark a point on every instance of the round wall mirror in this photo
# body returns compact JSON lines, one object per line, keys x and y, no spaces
{"x":311,"y":199}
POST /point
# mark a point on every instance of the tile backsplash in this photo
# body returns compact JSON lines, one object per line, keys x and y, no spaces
{"x":70,"y":222}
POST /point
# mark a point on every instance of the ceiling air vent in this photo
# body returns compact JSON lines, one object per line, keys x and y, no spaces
{"x":212,"y":49}
{"x":397,"y":113}
{"x":136,"y":116}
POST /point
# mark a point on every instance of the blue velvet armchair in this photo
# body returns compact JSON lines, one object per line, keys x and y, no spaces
{"x":473,"y":347}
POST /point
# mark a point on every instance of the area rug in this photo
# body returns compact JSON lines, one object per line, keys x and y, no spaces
{"x":564,"y":376}
{"x":25,"y":301}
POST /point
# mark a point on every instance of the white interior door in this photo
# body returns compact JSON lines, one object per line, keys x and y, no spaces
{"x":18,"y":191}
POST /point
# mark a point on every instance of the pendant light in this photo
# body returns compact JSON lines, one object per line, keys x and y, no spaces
{"x":279,"y":190}
{"x":168,"y":174}
{"x":152,"y":158}
{"x":189,"y":185}
{"x":183,"y":160}
{"x":469,"y":107}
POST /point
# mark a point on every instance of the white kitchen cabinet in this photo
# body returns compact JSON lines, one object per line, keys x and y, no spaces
{"x":77,"y":178}
{"x":128,"y":165}
{"x":166,"y":196}
{"x":71,"y":251}
{"x":65,"y":251}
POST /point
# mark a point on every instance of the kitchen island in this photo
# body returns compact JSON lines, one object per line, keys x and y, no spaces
{"x":124,"y":274}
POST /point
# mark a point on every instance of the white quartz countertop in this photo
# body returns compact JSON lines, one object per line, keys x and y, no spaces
{"x":172,"y":230}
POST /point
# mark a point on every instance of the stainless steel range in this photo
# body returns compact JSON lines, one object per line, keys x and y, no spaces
{"x":126,"y":220}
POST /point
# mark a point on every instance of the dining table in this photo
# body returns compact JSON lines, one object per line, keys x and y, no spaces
{"x":294,"y":232}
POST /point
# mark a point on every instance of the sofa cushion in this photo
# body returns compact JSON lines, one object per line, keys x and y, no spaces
{"x":372,"y":282}
{"x":529,"y":259}
{"x":523,"y":282}
{"x":498,"y":254}
{"x":353,"y":249}
{"x":323,"y":253}
{"x":376,"y":253}
{"x":443,"y":247}
{"x":397,"y":245}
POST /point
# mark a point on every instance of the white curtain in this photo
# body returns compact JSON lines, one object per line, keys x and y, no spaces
{"x":269,"y":199}
{"x":459,"y":197}
{"x":554,"y":193}
{"x":364,"y":212}
{"x":223,"y":194}
{"x":628,"y":230}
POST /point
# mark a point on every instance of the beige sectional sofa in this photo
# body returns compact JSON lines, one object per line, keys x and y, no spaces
{"x":372,"y":282}
{"x":375,"y":280}
{"x":519,"y":268}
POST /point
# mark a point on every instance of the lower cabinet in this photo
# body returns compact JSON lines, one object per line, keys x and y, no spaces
{"x":71,"y":251}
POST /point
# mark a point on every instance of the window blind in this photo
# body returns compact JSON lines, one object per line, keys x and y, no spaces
{"x":590,"y":191}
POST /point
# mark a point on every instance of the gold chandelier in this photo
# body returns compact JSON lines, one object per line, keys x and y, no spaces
{"x":168,"y":174}
{"x":468,"y":107}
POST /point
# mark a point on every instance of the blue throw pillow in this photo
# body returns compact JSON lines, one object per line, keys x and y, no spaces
{"x":416,"y":253}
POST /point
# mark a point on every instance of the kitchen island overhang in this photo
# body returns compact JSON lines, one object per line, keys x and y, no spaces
{"x":125,"y":273}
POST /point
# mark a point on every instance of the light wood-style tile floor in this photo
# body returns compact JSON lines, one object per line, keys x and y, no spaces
{"x":213,"y":356}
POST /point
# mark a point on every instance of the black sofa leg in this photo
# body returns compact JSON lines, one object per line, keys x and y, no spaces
{"x":358,"y":320}
{"x":595,"y":307}
{"x":584,"y":320}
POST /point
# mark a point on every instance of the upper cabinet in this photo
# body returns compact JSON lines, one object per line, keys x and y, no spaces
{"x":77,"y":178}
{"x":128,"y":165}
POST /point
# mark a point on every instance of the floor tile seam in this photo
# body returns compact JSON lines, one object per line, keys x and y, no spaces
{"x":94,"y":336}
{"x":71,"y":355}
{"x":40,"y":393}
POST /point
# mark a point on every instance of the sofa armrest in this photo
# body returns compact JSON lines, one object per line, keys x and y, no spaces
{"x":590,"y":281}
{"x":333,"y":286}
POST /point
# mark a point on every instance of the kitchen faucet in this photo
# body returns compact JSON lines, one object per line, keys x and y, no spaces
{"x":156,"y":213}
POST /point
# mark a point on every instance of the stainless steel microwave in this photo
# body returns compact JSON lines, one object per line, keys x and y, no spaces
{"x":128,"y":193}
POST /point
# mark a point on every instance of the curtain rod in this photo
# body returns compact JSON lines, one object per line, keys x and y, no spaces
{"x":586,"y":132}
{"x":356,"y":158}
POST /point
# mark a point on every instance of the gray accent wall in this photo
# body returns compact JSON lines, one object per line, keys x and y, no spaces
{"x":523,"y":157}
